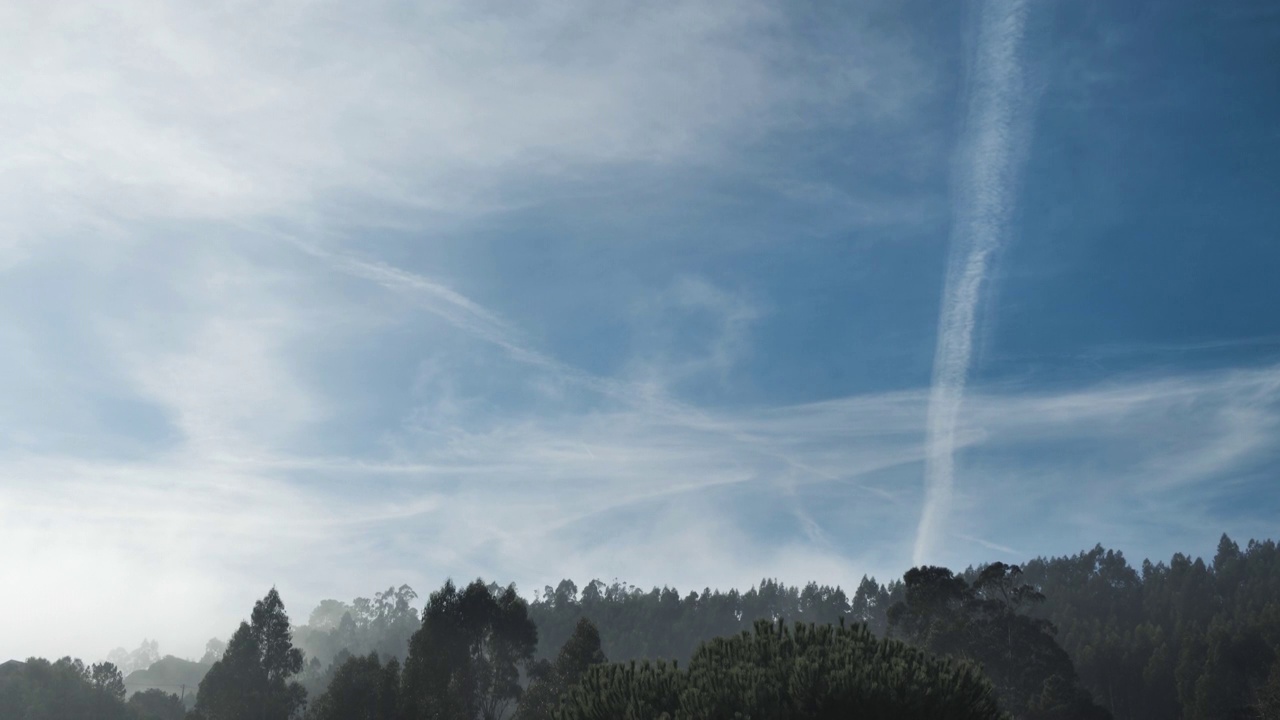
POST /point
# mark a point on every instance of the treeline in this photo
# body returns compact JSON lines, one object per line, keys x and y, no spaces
{"x":1085,"y":636}
{"x":1185,"y":639}
{"x":663,"y":625}
{"x":70,"y":690}
{"x":985,"y":621}
{"x":381,"y":624}
{"x":473,"y":658}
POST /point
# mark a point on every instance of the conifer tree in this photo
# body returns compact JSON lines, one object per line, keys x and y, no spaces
{"x":806,"y":671}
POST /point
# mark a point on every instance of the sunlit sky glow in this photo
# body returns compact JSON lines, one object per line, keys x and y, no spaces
{"x":338,"y":296}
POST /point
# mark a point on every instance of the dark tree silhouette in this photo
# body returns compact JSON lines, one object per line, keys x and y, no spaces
{"x":107,"y":680}
{"x":64,"y":690}
{"x":156,"y":704}
{"x":941,"y":612}
{"x":466,"y":659}
{"x":549,"y":681}
{"x":252,"y":680}
{"x":362,"y":688}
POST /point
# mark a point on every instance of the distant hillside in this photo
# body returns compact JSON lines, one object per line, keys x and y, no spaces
{"x":170,"y":674}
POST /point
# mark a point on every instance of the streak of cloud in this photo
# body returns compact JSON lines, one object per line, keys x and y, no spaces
{"x":621,"y":492}
{"x":472,"y":318}
{"x":984,"y":194}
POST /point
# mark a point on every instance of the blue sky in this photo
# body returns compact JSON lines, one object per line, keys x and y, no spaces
{"x":332,"y":298}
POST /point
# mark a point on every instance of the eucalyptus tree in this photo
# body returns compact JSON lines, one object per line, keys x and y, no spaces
{"x":253,"y":680}
{"x":465,"y":661}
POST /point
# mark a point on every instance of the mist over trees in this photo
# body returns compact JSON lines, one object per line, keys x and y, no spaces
{"x":173,"y":675}
{"x":141,"y":658}
{"x":1085,"y":636}
{"x":382,"y":624}
{"x":38,"y":690}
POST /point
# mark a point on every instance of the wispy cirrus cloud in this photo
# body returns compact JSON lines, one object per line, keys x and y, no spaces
{"x":194,"y":196}
{"x":271,"y":313}
{"x":624,"y":492}
{"x":218,"y":111}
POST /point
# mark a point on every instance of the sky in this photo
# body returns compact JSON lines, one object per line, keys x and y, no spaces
{"x":332,"y":297}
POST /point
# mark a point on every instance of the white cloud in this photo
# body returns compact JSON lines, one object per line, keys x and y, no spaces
{"x":691,"y":331}
{"x":988,"y":157}
{"x":217,"y":357}
{"x":141,"y":110}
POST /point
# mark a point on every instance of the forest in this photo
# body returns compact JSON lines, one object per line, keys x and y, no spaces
{"x":1085,"y":636}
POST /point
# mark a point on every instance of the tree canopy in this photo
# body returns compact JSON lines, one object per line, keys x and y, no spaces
{"x":777,"y":672}
{"x":362,"y":688}
{"x":1032,"y":674}
{"x":64,"y":690}
{"x":549,"y":681}
{"x":253,"y":678}
{"x":156,"y":704}
{"x":465,"y":661}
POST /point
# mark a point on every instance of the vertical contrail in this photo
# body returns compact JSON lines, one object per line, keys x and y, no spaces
{"x":983,"y":188}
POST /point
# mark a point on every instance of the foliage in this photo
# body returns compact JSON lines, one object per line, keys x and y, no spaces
{"x":143,"y":657}
{"x":106,"y":679}
{"x":1182,"y":639}
{"x":382,"y":624}
{"x":212,"y":651}
{"x":62,"y":690}
{"x":660,"y":624}
{"x":171,"y":673}
{"x":1268,"y":703}
{"x":156,"y":704}
{"x":466,"y":659}
{"x":362,"y":688}
{"x":943,"y":613}
{"x":252,"y":680}
{"x":548,"y":681}
{"x":1186,"y":639}
{"x":807,"y":671}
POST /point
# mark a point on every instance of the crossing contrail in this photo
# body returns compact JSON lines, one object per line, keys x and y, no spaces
{"x":984,"y":180}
